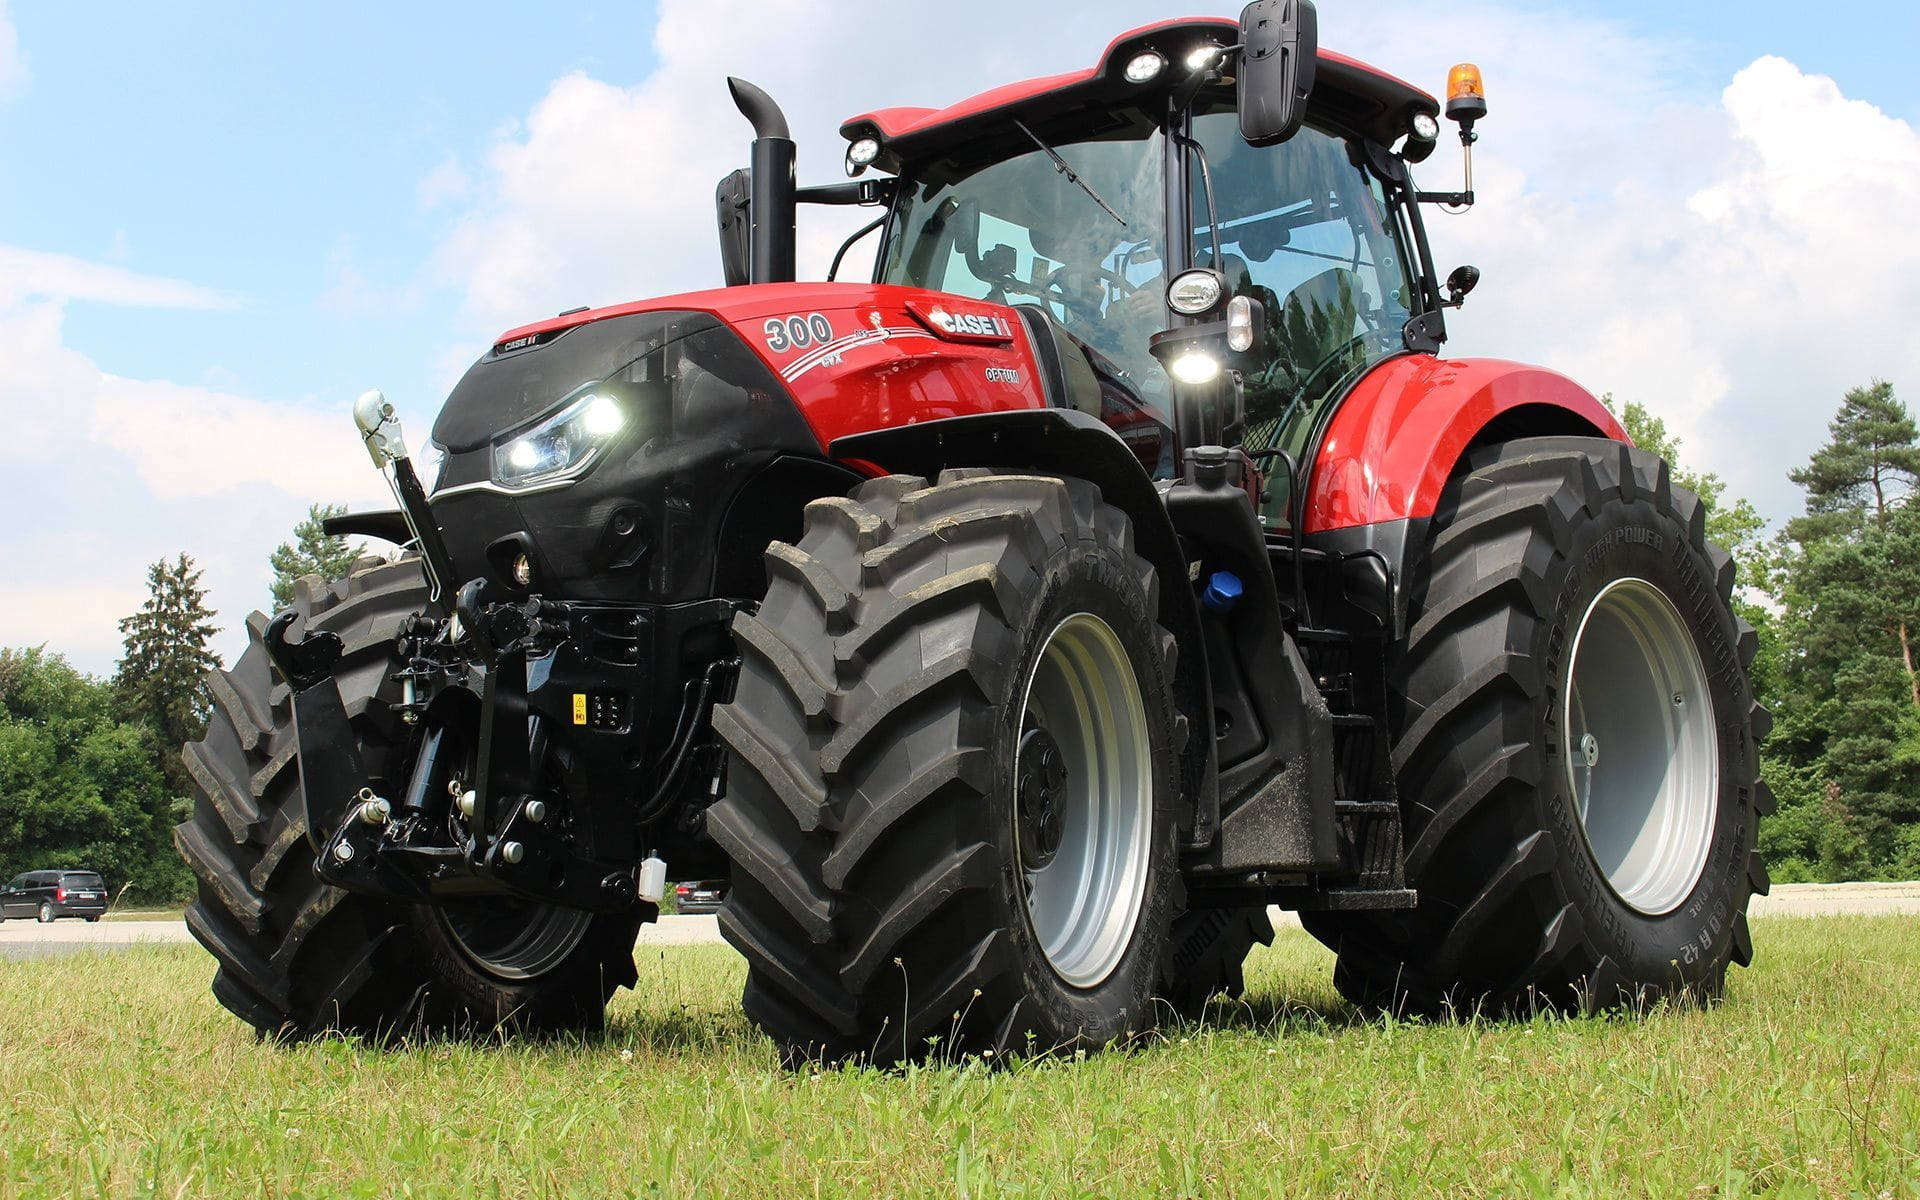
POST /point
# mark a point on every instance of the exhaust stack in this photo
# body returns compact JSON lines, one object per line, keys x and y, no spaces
{"x":770,"y":205}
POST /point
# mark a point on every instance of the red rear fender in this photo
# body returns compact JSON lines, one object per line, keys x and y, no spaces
{"x":1398,"y":435}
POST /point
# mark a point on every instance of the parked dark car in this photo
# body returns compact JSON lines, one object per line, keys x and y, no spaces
{"x":703,"y":896}
{"x":49,"y":895}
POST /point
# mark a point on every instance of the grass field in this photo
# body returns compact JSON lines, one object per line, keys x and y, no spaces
{"x":146,"y":914}
{"x":120,"y":1076}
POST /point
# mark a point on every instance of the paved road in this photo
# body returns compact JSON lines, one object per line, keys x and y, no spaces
{"x":29,"y":939}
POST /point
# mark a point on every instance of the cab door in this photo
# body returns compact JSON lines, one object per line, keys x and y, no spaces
{"x":1304,"y":229}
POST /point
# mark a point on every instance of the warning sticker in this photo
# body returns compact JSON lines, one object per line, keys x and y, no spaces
{"x":579,"y":708}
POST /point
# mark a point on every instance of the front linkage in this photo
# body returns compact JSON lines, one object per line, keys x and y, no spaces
{"x":524,"y":783}
{"x":532,"y":778}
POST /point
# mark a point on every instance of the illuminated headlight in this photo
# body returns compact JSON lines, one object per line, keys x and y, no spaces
{"x":1425,"y":127}
{"x":860,"y":155}
{"x":562,"y":447}
{"x":1194,"y":292}
{"x":1195,"y":367}
{"x":1145,"y":68}
{"x":1201,"y":57}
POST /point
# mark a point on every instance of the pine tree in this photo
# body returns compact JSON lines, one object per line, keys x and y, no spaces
{"x":1857,"y":486}
{"x":166,"y":653}
{"x":1850,"y":575}
{"x":312,"y":552}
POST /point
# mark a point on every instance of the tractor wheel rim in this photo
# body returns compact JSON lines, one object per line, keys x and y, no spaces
{"x":1084,"y":899}
{"x":515,"y":939}
{"x":1642,"y":751}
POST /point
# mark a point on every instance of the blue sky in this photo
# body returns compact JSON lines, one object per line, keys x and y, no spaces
{"x":353,"y":195}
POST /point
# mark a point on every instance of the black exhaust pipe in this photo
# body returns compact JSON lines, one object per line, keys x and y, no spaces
{"x":771,"y":206}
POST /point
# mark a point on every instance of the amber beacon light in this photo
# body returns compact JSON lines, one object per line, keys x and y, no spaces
{"x":1466,"y":94}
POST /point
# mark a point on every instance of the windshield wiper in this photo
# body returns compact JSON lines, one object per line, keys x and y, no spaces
{"x":1060,"y":165}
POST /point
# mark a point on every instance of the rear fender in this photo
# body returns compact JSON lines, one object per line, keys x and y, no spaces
{"x":1400,"y":436}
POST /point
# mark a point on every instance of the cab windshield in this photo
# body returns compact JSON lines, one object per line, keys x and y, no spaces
{"x":1303,"y":227}
{"x":1017,"y":231}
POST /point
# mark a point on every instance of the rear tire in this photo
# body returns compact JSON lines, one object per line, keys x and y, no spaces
{"x":895,"y":889}
{"x":46,"y":914}
{"x":297,"y":957}
{"x":1577,"y":748}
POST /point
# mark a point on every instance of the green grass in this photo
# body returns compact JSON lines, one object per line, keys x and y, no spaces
{"x":174,"y":913}
{"x":1806,"y":1082}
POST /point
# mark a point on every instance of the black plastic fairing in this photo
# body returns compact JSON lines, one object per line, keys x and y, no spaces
{"x":703,"y":417}
{"x":518,"y":381}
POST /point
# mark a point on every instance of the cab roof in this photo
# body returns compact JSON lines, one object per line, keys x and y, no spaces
{"x":1366,"y":99}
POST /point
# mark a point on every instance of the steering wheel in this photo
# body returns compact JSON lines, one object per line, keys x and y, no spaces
{"x":1078,"y":290}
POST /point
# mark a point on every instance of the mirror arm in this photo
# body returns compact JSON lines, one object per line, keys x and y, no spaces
{"x":863,"y":191}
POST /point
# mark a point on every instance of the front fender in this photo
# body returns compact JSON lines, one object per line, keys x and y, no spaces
{"x":1395,"y":440}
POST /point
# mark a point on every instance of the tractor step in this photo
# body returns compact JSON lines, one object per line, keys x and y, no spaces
{"x":1366,"y":808}
{"x":1344,"y":899}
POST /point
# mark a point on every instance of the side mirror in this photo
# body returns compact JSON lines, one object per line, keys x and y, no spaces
{"x":1463,"y":280}
{"x":1280,"y":45}
{"x":731,"y":201}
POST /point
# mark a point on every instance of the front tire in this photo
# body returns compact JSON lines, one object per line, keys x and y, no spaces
{"x":299,"y":958}
{"x":1577,"y":748}
{"x":951,"y":804}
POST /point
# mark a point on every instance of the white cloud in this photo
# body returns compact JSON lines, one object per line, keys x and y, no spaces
{"x":604,"y":192}
{"x":14,"y":75}
{"x":122,"y":472}
{"x":446,"y":184}
{"x":38,"y":275}
{"x":186,"y":442}
{"x":1732,"y":263}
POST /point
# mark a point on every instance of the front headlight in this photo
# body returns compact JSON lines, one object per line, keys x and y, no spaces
{"x":562,"y":447}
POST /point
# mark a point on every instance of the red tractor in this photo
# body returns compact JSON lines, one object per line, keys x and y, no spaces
{"x":1013,"y":629}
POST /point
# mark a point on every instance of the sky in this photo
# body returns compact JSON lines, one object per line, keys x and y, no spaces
{"x":221,"y":222}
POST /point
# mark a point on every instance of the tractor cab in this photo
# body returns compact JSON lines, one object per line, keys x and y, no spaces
{"x":1127,"y":208}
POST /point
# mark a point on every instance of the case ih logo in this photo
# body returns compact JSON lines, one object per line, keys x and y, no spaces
{"x":972,"y":324}
{"x":962,"y":326}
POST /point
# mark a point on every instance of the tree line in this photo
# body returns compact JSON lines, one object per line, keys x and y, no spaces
{"x":91,"y":776}
{"x":1834,"y":597}
{"x":90,"y":769}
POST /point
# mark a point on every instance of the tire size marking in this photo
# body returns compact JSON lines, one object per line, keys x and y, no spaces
{"x":797,"y":332}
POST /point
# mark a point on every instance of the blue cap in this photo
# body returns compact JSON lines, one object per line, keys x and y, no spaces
{"x":1223,"y":591}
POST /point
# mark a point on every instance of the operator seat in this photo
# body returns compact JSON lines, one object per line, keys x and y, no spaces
{"x":1318,"y":319}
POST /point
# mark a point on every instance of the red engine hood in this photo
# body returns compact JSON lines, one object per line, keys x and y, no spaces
{"x":862,"y":356}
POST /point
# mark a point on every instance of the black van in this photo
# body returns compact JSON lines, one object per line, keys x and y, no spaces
{"x":46,"y":895}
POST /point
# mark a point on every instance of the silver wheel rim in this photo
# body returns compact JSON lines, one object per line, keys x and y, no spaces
{"x":1643,"y":759}
{"x":515,"y":939}
{"x":1084,"y":899}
